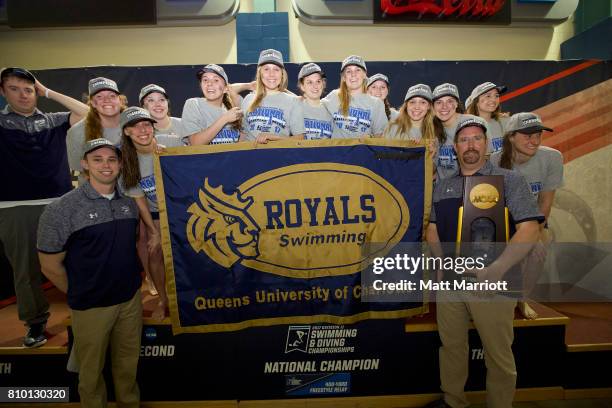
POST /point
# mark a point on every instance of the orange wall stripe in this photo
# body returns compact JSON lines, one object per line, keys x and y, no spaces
{"x":548,"y":80}
{"x":569,"y":106}
{"x":598,"y":133}
{"x":586,"y":148}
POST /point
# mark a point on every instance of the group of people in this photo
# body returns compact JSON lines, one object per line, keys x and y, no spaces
{"x":93,"y":242}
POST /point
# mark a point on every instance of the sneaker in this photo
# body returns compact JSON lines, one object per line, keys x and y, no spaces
{"x":35,"y":337}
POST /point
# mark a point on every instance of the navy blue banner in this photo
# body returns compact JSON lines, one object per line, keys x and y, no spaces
{"x":277,"y":234}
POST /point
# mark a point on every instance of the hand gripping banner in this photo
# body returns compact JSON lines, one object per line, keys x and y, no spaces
{"x":257,"y":235}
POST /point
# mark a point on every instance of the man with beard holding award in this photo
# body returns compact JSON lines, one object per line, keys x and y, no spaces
{"x":492,"y":315}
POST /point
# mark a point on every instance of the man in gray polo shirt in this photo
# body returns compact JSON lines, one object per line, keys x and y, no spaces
{"x":492,"y":319}
{"x":87,"y":248}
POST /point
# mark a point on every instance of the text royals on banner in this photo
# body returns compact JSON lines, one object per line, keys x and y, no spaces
{"x":279,"y":234}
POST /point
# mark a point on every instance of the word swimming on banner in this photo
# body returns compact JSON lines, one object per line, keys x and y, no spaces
{"x":279,"y":233}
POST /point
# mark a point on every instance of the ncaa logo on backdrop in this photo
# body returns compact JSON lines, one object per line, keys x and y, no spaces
{"x":321,"y":339}
{"x":297,"y":339}
{"x":304,"y":221}
{"x":150,"y":333}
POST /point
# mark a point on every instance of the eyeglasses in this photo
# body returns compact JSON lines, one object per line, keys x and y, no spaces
{"x":466,"y":139}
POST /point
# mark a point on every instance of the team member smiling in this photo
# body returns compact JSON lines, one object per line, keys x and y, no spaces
{"x":484,"y":102}
{"x":542,"y":166}
{"x":214,"y":119}
{"x":355,"y":113}
{"x":87,"y":248}
{"x":105,"y":106}
{"x":271,"y":112}
{"x":317,"y":120}
{"x":447,"y":109}
{"x":155,"y":99}
{"x":378,"y":87}
{"x":138,"y":146}
{"x":415,"y":119}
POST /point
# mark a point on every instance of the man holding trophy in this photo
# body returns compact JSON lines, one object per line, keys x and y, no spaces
{"x":480,"y":204}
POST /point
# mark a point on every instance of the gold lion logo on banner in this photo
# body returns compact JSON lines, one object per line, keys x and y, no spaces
{"x":220,"y":225}
{"x":304,"y":220}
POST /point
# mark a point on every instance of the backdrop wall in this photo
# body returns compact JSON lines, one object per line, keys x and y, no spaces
{"x":60,"y":48}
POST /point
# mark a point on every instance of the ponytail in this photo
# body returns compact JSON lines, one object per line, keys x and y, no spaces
{"x":129,"y":162}
{"x":227,"y":102}
{"x":505,"y":160}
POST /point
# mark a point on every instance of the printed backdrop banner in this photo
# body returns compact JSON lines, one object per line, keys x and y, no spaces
{"x":276,"y":234}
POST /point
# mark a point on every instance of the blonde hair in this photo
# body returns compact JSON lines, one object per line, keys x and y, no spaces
{"x":344,"y":96}
{"x":403,"y":125}
{"x":93,"y":124}
{"x":260,"y":89}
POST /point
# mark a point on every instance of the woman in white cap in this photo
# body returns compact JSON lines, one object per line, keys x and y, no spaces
{"x":102,"y":121}
{"x":378,"y":87}
{"x":271,"y":113}
{"x":138,"y":144}
{"x":155,"y":100}
{"x":542,"y":167}
{"x":447,"y":108}
{"x":355,"y":113}
{"x":484,"y":102}
{"x":415,"y":118}
{"x":317,"y":120}
{"x":216,"y":117}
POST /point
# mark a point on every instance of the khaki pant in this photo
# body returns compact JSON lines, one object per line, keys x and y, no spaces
{"x":121,"y":326}
{"x":493,"y":321}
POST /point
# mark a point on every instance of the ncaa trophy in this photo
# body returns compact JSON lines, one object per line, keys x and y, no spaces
{"x":483,"y":219}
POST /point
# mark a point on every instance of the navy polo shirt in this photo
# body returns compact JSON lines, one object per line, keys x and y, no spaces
{"x":98,"y":236}
{"x":522,"y":206}
{"x":448,"y":197}
{"x":33,"y":155}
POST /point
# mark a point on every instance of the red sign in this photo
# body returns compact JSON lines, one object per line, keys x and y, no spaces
{"x":443,"y":9}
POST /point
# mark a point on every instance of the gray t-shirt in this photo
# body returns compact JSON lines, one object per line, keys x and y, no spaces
{"x":366,"y":116}
{"x":174,"y":132}
{"x":394,"y":113}
{"x":279,"y":113}
{"x":75,"y":141}
{"x":317,"y":122}
{"x":543,"y":172}
{"x":392,"y":132}
{"x":198,"y":114}
{"x":495,"y":134}
{"x":446,"y":158}
{"x":146,"y":184}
